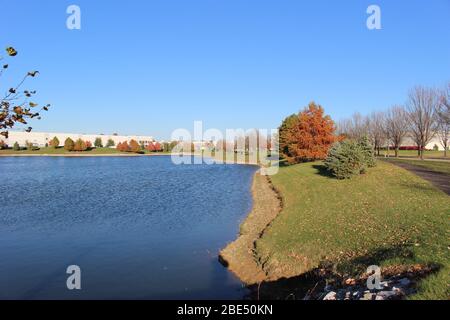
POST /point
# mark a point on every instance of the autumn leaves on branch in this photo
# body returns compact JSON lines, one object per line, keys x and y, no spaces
{"x":17,"y":105}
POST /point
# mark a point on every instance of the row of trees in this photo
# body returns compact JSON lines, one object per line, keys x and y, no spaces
{"x":248,"y":142}
{"x":79,"y":145}
{"x":54,"y":143}
{"x":28,"y":146}
{"x":425,"y":115}
{"x":82,"y":145}
{"x":98,"y":143}
{"x":134,"y":146}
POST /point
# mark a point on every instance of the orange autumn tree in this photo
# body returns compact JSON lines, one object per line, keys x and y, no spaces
{"x":306,"y":136}
{"x":80,"y":145}
{"x":134,"y":146}
{"x":123,"y":146}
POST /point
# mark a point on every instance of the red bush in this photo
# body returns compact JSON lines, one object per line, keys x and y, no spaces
{"x":157,"y":146}
{"x":415,"y":148}
{"x":123,"y":147}
{"x":154,"y":147}
{"x":150,"y":147}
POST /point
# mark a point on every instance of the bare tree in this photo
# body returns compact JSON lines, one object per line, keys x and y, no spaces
{"x":354,"y":128}
{"x":377,"y":130}
{"x":421,"y":110}
{"x":444,"y":105}
{"x":443,"y":133}
{"x":343,"y":127}
{"x":360,"y":126}
{"x":443,"y":119}
{"x":396,"y":126}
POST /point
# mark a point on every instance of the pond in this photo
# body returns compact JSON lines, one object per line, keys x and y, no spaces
{"x":138,"y":227}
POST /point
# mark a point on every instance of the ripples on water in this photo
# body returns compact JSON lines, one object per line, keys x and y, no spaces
{"x":139,"y":227}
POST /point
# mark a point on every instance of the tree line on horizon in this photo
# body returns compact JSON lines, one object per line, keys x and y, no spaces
{"x":309,"y":135}
{"x":349,"y":147}
{"x":424,"y":116}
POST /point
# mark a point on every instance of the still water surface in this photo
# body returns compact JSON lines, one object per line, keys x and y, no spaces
{"x":139,"y":228}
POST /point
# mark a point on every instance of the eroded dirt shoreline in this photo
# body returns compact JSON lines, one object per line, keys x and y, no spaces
{"x":240,"y":256}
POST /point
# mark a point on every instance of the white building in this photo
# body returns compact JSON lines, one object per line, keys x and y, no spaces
{"x":42,"y":138}
{"x":409,"y":142}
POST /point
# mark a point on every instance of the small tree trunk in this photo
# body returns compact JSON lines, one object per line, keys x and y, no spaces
{"x":421,"y":153}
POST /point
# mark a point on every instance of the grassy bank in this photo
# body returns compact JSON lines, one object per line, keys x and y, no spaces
{"x":386,"y":217}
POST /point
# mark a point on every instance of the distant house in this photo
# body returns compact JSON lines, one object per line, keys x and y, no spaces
{"x":409,"y":142}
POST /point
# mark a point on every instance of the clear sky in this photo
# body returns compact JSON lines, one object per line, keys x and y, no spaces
{"x":149,"y":67}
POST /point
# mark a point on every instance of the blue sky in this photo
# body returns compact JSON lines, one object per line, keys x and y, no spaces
{"x":149,"y":67}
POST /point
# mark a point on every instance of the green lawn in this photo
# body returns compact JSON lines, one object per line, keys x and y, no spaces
{"x":386,"y":217}
{"x":413,"y":154}
{"x":438,"y":166}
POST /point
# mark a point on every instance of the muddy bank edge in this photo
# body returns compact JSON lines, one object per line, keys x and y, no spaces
{"x":240,"y":256}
